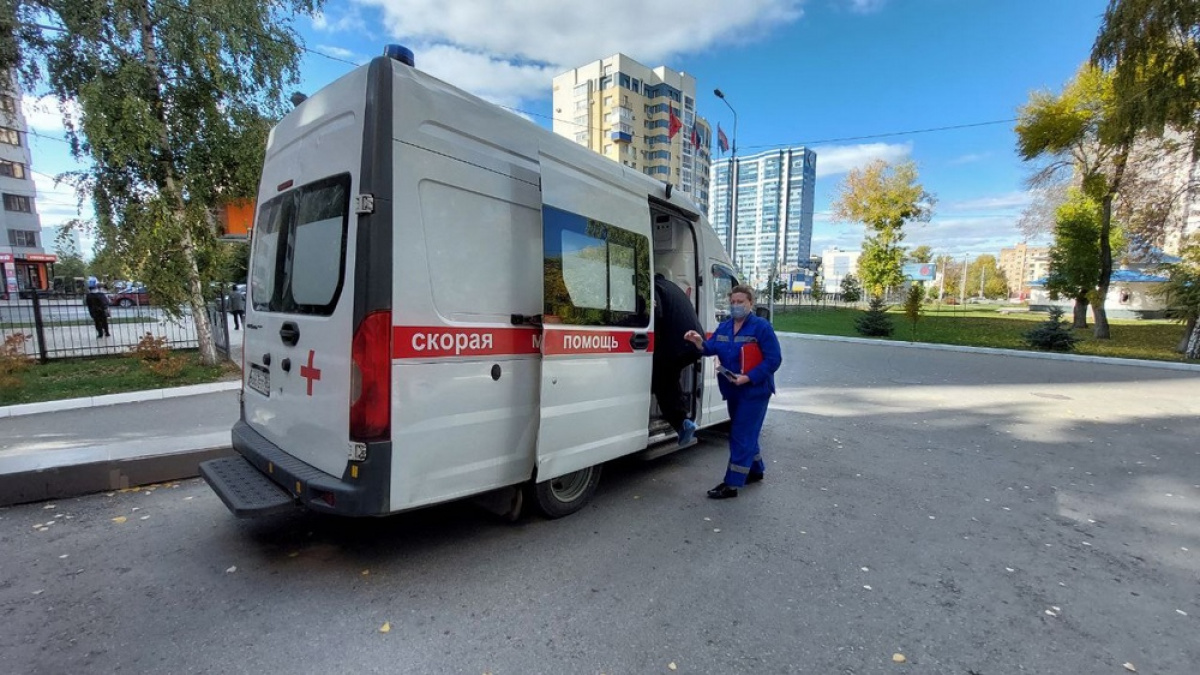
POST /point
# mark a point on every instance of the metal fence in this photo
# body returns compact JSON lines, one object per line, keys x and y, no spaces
{"x":59,"y":326}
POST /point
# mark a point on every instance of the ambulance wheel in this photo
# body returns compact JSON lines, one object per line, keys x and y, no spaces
{"x":567,"y":494}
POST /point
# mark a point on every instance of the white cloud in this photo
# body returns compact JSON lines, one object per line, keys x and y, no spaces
{"x":1003,"y":202}
{"x":969,"y":158}
{"x":865,"y":6}
{"x":838,"y":159}
{"x":560,"y":35}
{"x":45,"y":114}
{"x":351,"y":21}
{"x":501,"y":82}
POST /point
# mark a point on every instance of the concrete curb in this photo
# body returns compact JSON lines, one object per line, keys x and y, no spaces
{"x":114,"y":399}
{"x":1164,"y":365}
{"x":77,"y":480}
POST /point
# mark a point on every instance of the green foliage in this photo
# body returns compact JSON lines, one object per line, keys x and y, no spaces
{"x":920,"y":254}
{"x":874,"y":321}
{"x":818,"y":290}
{"x":1182,"y":290}
{"x":851,"y":289}
{"x":1053,"y":334}
{"x":175,"y":101}
{"x":70,"y":266}
{"x":912,"y":305}
{"x":884,"y":198}
{"x":14,"y":360}
{"x":985,"y":269}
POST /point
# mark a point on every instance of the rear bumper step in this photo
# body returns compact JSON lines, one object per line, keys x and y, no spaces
{"x":244,"y":489}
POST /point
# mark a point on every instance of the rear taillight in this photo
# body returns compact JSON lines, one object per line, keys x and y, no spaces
{"x":371,"y":378}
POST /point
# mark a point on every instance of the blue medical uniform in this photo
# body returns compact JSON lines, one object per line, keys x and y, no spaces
{"x":748,"y":403}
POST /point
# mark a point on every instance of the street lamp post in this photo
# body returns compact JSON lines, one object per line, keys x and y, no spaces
{"x":730,"y":193}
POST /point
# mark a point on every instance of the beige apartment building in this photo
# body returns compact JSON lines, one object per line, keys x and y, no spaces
{"x":1022,"y":264}
{"x":622,"y":110}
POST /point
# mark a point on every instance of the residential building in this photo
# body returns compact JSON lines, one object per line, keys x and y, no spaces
{"x":774,"y":193}
{"x":1023,"y":264}
{"x":836,"y":265}
{"x":622,"y":110}
{"x":23,"y":261}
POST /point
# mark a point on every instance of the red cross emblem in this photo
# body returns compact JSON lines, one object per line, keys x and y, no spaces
{"x":309,"y":373}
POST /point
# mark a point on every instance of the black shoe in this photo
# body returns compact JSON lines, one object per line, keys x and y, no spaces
{"x":722,"y":491}
{"x":753,"y":477}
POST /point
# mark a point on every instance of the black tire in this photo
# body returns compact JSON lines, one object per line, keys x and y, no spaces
{"x":125,"y":302}
{"x":567,"y":494}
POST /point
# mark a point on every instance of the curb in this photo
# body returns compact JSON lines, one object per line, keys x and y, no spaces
{"x":1106,"y":360}
{"x":114,"y":399}
{"x":81,"y":479}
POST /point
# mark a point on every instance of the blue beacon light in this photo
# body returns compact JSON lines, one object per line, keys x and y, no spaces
{"x":400,"y":53}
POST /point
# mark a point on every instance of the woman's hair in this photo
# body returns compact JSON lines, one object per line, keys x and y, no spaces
{"x":744,"y":290}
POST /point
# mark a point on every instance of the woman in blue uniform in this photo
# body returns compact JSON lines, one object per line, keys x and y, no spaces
{"x":748,"y":352}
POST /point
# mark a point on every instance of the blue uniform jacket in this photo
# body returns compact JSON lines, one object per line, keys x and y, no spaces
{"x":728,"y":349}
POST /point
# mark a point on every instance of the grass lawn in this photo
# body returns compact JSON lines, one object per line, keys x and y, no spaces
{"x":73,"y":378}
{"x":982,"y":326}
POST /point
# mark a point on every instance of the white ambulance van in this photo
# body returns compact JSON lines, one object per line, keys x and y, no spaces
{"x":447,"y":300}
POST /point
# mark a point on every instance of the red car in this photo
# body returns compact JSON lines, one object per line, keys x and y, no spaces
{"x":130,"y":297}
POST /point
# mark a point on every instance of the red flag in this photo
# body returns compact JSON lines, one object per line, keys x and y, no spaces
{"x":722,"y":141}
{"x":674,"y":125}
{"x":696,"y":138}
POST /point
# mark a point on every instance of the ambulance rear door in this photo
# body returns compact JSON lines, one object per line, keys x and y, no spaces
{"x":597,"y":337}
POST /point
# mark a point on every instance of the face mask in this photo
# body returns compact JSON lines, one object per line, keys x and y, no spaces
{"x":739,"y":311}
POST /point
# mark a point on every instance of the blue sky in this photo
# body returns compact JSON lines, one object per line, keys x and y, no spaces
{"x":818,"y":72}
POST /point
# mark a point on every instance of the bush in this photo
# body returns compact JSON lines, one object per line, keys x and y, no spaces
{"x":874,"y":322}
{"x":1053,"y":334}
{"x":153,"y":352}
{"x":13,"y":360}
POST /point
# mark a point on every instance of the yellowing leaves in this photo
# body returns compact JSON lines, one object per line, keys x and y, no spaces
{"x":119,"y":519}
{"x":386,"y":627}
{"x":899,"y":658}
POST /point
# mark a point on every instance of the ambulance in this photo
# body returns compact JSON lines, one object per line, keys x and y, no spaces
{"x":448,"y":301}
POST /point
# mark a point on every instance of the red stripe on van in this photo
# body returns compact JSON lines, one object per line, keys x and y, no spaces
{"x":424,"y":342}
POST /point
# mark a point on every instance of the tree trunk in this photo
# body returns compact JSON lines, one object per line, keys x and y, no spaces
{"x":170,"y":190}
{"x":1192,"y":341}
{"x":1100,"y":332}
{"x":1081,"y":308}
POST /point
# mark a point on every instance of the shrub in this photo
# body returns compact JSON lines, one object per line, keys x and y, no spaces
{"x":153,"y":352}
{"x":13,"y":360}
{"x":874,"y":322}
{"x":1053,"y":334}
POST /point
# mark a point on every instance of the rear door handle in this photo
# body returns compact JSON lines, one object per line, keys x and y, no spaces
{"x":289,"y":333}
{"x":639,"y":341}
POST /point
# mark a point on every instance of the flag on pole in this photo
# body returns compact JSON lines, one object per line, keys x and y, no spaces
{"x":722,"y":140}
{"x":696,"y":138}
{"x":674,"y":125}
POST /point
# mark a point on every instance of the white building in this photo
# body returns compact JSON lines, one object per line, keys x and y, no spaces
{"x":774,"y":193}
{"x":836,"y":265}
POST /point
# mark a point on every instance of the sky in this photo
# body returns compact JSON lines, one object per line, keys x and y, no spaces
{"x":846,"y":78}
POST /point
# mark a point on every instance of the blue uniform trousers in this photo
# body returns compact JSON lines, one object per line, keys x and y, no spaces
{"x":747,"y":415}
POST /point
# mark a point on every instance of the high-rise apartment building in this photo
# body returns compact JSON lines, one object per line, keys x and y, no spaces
{"x":774,"y":193}
{"x":622,"y":110}
{"x":1022,"y":264}
{"x":22,"y":258}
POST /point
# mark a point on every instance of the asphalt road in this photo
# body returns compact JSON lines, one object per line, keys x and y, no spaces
{"x":975,"y":513}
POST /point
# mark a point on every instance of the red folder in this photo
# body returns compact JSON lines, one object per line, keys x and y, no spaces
{"x":751,"y":357}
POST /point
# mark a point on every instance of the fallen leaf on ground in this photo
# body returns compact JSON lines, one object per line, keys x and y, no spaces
{"x":716,"y":529}
{"x":366,"y":572}
{"x":899,"y":658}
{"x":50,"y":506}
{"x":119,"y":519}
{"x":293,"y":554}
{"x":386,"y":627}
{"x":1181,"y":612}
{"x":671,"y":665}
{"x":1129,"y":666}
{"x":231,"y":570}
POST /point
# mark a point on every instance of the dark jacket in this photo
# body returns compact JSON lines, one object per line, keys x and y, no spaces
{"x":97,"y":303}
{"x":674,"y":315}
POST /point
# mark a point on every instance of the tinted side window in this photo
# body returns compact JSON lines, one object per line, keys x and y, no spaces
{"x":595,"y":274}
{"x":723,"y":282}
{"x":299,"y":254}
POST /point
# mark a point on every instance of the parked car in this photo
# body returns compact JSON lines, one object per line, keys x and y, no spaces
{"x":129,"y":297}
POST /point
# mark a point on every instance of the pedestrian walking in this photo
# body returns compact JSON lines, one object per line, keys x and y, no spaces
{"x":674,"y":316}
{"x":97,"y":307}
{"x":748,"y":355}
{"x":237,"y":307}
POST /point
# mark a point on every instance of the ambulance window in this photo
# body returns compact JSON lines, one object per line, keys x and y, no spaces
{"x":596,"y":274}
{"x":264,"y":260}
{"x":723,"y":282}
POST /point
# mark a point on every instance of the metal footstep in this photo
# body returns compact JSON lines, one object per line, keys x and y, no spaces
{"x":244,"y":489}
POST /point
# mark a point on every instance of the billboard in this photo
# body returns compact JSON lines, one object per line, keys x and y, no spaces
{"x":920,"y":271}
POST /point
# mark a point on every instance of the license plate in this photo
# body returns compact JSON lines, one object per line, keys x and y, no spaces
{"x":259,"y":379}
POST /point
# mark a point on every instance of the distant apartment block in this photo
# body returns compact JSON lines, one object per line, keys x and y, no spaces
{"x":622,"y":110}
{"x":1022,"y":264}
{"x":774,"y":194}
{"x":23,"y":261}
{"x":836,"y":265}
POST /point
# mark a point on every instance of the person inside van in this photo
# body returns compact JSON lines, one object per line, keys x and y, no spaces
{"x":674,"y":316}
{"x":748,"y":354}
{"x":97,"y":307}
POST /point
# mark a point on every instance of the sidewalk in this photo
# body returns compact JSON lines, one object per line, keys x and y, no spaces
{"x":68,"y":448}
{"x":82,"y":446}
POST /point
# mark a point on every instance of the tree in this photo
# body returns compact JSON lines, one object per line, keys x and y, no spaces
{"x":912,"y":305}
{"x":920,"y":254}
{"x":175,"y":100}
{"x":984,"y":277}
{"x":1073,"y":269}
{"x":1151,"y":49}
{"x":884,"y":198}
{"x":1052,"y":334}
{"x":70,"y":266}
{"x":851,"y":289}
{"x":1182,"y":293}
{"x":874,"y":321}
{"x":951,"y":272}
{"x":1082,"y":129}
{"x":818,"y":291}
